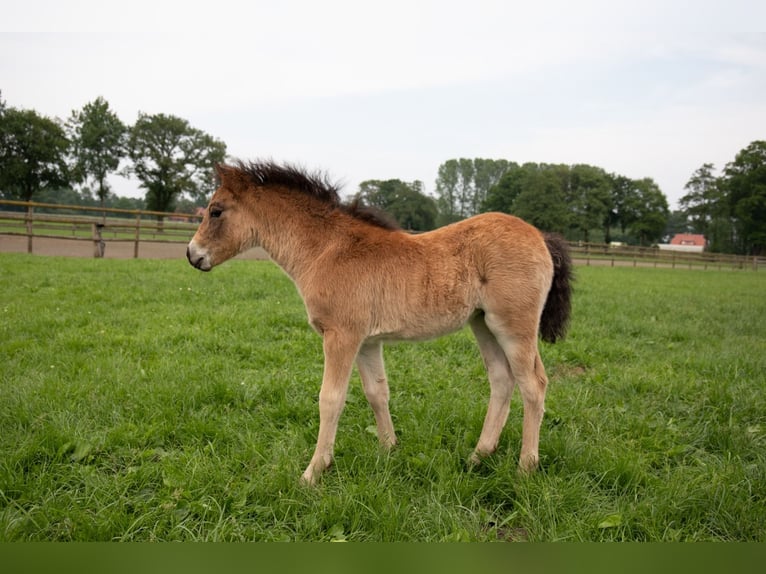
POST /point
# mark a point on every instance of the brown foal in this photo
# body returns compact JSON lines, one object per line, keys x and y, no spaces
{"x":365,"y":282}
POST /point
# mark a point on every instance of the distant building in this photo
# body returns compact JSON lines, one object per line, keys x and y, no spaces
{"x":689,"y":242}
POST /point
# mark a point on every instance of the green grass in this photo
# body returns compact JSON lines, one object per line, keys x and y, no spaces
{"x":143,"y":400}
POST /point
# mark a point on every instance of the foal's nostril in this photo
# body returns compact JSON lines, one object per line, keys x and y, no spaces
{"x":195,"y":263}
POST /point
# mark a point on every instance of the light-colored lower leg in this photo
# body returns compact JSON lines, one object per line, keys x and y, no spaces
{"x":532,"y":383}
{"x":501,"y":389}
{"x":372,"y":372}
{"x":339,"y":357}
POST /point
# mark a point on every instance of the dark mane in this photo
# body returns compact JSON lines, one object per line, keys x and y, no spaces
{"x":316,"y":185}
{"x":270,"y":173}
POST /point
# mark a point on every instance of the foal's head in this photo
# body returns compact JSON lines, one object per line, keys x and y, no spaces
{"x":224,"y":231}
{"x":229,"y":224}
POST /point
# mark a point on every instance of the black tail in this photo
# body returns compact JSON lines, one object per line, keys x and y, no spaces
{"x":558,"y":305}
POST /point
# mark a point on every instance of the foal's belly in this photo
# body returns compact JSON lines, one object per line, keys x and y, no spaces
{"x":422,"y":328}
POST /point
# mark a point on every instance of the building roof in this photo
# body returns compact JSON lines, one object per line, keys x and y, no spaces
{"x":688,"y":239}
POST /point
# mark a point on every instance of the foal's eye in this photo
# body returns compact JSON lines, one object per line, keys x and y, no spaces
{"x":215,"y":212}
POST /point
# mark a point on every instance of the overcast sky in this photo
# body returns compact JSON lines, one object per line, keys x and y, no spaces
{"x":382,"y":90}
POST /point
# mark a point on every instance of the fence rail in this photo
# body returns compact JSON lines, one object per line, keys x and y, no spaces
{"x":97,"y":225}
{"x":104,"y":226}
{"x":604,"y":254}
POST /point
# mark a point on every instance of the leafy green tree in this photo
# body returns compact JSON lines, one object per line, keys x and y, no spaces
{"x":650,"y":211}
{"x":538,"y":195}
{"x":33,"y":151}
{"x":98,"y":144}
{"x":171,"y":158}
{"x":462,"y":186}
{"x":707,"y":208}
{"x":404,"y":201}
{"x":588,"y":196}
{"x":448,"y":202}
{"x":702,"y":198}
{"x":611,"y":219}
{"x":624,"y":205}
{"x":575,"y":200}
{"x":501,"y":196}
{"x":465,"y":173}
{"x":745,"y":184}
{"x":455,"y":190}
{"x":487,"y":173}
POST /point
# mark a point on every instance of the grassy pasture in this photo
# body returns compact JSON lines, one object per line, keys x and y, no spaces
{"x":142,"y":400}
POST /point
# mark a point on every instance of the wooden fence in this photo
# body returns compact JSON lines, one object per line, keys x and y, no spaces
{"x":631,"y":255}
{"x":104,"y":227}
{"x":99,"y":226}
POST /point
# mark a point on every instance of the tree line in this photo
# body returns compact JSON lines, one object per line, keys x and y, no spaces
{"x":730,"y":209}
{"x":587,"y":203}
{"x":44,"y":157}
{"x":174,"y":163}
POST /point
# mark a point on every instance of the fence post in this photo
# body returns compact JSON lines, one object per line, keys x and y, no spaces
{"x":29,"y":218}
{"x":98,"y":243}
{"x":138,"y":235}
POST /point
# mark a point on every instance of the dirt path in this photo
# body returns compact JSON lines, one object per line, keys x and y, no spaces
{"x":113,"y":250}
{"x":124,"y":249}
{"x":165,"y":250}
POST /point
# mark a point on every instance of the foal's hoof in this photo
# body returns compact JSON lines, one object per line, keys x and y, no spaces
{"x":309,"y":479}
{"x":314,"y":470}
{"x":476,"y":459}
{"x":528,"y":466}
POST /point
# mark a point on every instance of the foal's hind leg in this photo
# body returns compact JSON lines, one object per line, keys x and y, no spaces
{"x":501,"y":389}
{"x":528,"y":372}
{"x":373,"y":374}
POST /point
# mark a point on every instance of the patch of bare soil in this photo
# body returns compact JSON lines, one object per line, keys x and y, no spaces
{"x":113,"y":249}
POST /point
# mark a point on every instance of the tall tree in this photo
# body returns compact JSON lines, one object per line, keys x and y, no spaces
{"x":171,"y":158}
{"x":447,"y":192}
{"x":406,"y":202}
{"x":539,"y":195}
{"x":462,"y":186}
{"x":33,"y":151}
{"x":502,"y":194}
{"x":487,"y":174}
{"x":745,"y":183}
{"x":638,"y":207}
{"x":589,"y":198}
{"x":650,"y":211}
{"x":707,"y":208}
{"x":701,"y":198}
{"x":623,"y":205}
{"x":98,"y":144}
{"x":466,"y":189}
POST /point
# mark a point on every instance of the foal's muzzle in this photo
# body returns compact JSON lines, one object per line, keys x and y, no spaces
{"x":197,"y":258}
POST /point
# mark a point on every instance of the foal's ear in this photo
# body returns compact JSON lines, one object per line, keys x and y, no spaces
{"x":225,"y":174}
{"x":221,"y":170}
{"x":230,"y":177}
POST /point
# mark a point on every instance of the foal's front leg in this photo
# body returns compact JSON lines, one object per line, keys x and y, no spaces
{"x":339,"y":353}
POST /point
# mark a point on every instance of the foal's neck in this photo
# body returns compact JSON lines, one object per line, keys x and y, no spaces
{"x":294,"y":230}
